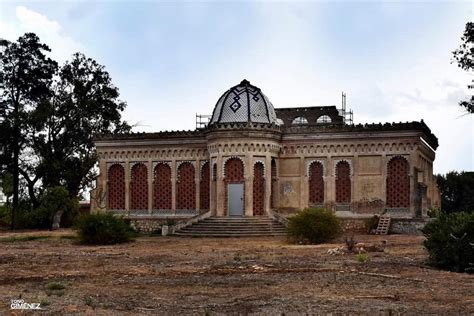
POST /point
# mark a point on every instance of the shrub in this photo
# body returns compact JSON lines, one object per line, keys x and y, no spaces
{"x":450,"y":241}
{"x":53,"y":200}
{"x":313,"y":226}
{"x":371,"y":223}
{"x":362,"y":257}
{"x":103,"y":229}
{"x":54,"y":286}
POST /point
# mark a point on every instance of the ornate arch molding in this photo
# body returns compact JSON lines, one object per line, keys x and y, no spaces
{"x":231,"y":157}
{"x":156,"y":163}
{"x":179,"y":163}
{"x":111,"y":164}
{"x":201,"y":168}
{"x":312,"y":161}
{"x":133,"y":163}
{"x":262,"y":162}
{"x":337,"y":161}
{"x":405,"y":157}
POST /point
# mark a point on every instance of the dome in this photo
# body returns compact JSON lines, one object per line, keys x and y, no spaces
{"x":243,"y":103}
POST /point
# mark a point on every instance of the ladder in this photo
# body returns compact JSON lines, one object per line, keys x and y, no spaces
{"x":383,"y":226}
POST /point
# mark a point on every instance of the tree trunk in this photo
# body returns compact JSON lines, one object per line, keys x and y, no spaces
{"x":16,"y":156}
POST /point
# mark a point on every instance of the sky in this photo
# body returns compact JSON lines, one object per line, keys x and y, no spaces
{"x":173,"y":59}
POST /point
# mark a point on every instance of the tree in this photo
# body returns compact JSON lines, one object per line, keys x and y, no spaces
{"x":464,"y":58}
{"x":49,"y":117}
{"x":25,"y":78}
{"x":457,"y":191}
{"x":85,"y":103}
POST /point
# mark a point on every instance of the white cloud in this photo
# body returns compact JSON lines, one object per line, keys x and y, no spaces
{"x":49,"y":31}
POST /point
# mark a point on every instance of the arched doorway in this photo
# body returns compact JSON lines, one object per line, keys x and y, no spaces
{"x":204,"y":187}
{"x":258,"y":189}
{"x":139,"y":187}
{"x":316,"y":183}
{"x":343,"y":182}
{"x":398,"y":183}
{"x":186,"y":187}
{"x":162,"y":187}
{"x":116,"y":187}
{"x":235,"y":187}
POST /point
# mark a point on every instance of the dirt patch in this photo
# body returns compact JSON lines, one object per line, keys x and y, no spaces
{"x":172,"y":275}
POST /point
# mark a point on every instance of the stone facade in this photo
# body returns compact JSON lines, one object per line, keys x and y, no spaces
{"x":301,"y":157}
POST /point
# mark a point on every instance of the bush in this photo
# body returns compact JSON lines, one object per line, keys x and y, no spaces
{"x":103,"y":229}
{"x":313,"y":226}
{"x":362,"y":257}
{"x":450,"y":241}
{"x":53,"y":200}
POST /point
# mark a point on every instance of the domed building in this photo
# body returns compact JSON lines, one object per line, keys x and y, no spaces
{"x":252,"y":159}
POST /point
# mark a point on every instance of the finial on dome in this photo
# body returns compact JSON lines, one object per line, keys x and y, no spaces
{"x":245,"y":82}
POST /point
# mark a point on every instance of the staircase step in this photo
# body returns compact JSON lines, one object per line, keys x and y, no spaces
{"x":234,"y":227}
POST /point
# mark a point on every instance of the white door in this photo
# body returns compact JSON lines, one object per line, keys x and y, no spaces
{"x":235,"y":194}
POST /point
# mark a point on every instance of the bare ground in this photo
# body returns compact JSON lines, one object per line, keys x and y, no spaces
{"x":172,"y":275}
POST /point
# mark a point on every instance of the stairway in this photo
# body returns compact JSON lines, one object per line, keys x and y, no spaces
{"x":383,"y":226}
{"x":234,"y":227}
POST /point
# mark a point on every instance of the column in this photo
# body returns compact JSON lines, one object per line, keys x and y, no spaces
{"x":384,"y":179}
{"x":150,"y":186}
{"x":330,"y":182}
{"x":212,"y":186}
{"x":220,"y":190}
{"x":268,"y":183}
{"x":102,"y":190}
{"x":197,"y":180}
{"x":303,"y":184}
{"x":173,"y":185}
{"x":127,"y":185}
{"x":248,"y":207}
{"x":354,"y":174}
{"x":413,"y":183}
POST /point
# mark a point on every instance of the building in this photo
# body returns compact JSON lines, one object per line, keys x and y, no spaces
{"x":252,"y":158}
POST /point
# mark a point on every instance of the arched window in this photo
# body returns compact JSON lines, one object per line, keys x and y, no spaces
{"x":116,"y":188}
{"x":186,"y":187}
{"x":204,"y":187}
{"x":316,"y":183}
{"x":162,"y":187}
{"x":299,"y":121}
{"x":343,"y":182}
{"x":323,"y":119}
{"x":258,"y":189}
{"x":139,"y":187}
{"x":398,"y":183}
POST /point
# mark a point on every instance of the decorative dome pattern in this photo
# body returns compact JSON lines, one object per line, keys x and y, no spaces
{"x":243,"y":103}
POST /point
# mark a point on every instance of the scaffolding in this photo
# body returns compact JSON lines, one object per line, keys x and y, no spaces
{"x":347,"y":115}
{"x":202,"y":120}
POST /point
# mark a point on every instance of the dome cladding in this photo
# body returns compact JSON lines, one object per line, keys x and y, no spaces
{"x":244,"y":103}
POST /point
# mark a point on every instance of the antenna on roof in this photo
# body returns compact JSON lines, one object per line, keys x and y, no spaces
{"x":347,"y":116}
{"x":202,"y":120}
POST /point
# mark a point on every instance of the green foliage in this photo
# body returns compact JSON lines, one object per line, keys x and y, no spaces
{"x":53,"y":200}
{"x":24,"y":238}
{"x":89,"y":301}
{"x":55,"y":286}
{"x":51,"y":114}
{"x":450,"y":241}
{"x":44,"y":302}
{"x":457,"y":191}
{"x":371,"y":223}
{"x":464,"y":56}
{"x":313,"y":226}
{"x":103,"y":229}
{"x":362,"y":257}
{"x":5,"y":215}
